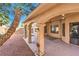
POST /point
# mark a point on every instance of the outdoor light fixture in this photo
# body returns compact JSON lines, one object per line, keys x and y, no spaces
{"x":62,"y":16}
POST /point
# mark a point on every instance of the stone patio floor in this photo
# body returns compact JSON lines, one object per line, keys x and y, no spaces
{"x":16,"y":46}
{"x":55,"y":47}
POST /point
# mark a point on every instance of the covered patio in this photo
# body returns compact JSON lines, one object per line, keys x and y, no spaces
{"x":54,"y":20}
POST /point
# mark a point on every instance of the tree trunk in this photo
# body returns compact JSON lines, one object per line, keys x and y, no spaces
{"x":12,"y":29}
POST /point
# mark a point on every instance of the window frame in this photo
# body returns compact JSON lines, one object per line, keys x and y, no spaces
{"x":55,"y":28}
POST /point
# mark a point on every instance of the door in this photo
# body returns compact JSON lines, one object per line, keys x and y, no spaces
{"x":74,"y":33}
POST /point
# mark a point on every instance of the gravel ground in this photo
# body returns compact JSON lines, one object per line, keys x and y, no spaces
{"x":16,"y":46}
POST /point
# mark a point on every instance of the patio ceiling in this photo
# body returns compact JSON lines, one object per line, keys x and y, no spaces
{"x":48,"y":11}
{"x":58,"y":10}
{"x":39,"y":10}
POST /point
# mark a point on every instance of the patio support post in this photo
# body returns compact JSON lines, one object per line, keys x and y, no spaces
{"x":40,"y":40}
{"x":29,"y":33}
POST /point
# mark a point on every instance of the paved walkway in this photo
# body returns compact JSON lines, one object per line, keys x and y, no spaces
{"x":16,"y":46}
{"x":56,"y":47}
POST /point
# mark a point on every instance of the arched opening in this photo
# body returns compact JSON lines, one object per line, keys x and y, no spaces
{"x":60,"y":27}
{"x":33,"y":32}
{"x":57,"y":26}
{"x":31,"y":38}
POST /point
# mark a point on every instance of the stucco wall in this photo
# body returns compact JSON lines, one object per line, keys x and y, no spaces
{"x":57,"y":35}
{"x":69,"y":19}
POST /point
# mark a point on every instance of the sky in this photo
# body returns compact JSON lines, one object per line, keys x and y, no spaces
{"x":11,"y":14}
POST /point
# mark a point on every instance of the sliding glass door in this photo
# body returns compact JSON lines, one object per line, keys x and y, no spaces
{"x":74,"y":33}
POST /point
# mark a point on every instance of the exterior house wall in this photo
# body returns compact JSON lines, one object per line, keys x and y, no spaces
{"x":56,"y":35}
{"x":69,"y":19}
{"x":42,"y":16}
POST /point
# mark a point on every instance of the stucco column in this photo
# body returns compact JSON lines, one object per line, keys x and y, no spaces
{"x":40,"y":40}
{"x":29,"y":33}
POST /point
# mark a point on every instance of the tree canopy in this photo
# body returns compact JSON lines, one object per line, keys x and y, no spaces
{"x":7,"y":8}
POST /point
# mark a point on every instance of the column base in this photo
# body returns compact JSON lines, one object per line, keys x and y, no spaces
{"x":40,"y":53}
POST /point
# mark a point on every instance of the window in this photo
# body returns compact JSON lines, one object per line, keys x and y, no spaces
{"x":54,"y":29}
{"x":63,"y":29}
{"x":74,"y":33}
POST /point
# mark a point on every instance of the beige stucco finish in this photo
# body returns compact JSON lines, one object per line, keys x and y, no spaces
{"x":57,"y":35}
{"x":74,"y":17}
{"x":69,"y":19}
{"x":53,"y":15}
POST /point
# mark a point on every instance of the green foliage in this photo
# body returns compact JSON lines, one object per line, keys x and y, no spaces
{"x":25,"y":7}
{"x":4,"y":19}
{"x":6,"y":8}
